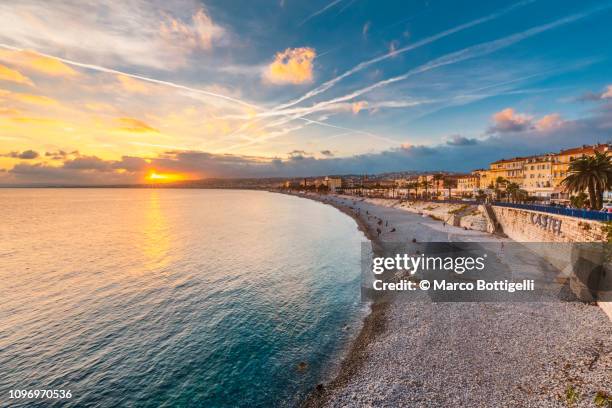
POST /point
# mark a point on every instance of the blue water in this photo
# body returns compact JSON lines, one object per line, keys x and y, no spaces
{"x":165,"y":298}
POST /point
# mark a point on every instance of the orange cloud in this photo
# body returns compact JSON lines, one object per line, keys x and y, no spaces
{"x":135,"y":125}
{"x":607,"y":93}
{"x":11,"y":75}
{"x":9,"y":112}
{"x":27,"y":98}
{"x":100,"y":107}
{"x":294,"y":66}
{"x":508,"y":120}
{"x":549,"y":122}
{"x":133,"y":85}
{"x":34,"y":62}
{"x":358,"y":106}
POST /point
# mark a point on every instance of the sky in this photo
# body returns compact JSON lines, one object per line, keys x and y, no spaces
{"x":113,"y":92}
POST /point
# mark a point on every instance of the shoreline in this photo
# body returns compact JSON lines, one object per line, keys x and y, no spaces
{"x":374,"y":323}
{"x":462,"y":353}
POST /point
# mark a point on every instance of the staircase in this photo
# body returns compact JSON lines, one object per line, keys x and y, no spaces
{"x":493,"y":226}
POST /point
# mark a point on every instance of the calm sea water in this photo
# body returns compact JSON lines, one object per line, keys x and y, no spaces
{"x":150,"y":298}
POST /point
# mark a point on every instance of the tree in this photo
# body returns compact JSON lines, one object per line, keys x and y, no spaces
{"x":513,"y":191}
{"x":579,"y":200}
{"x":436,"y":179}
{"x":590,"y":173}
{"x":425,"y":185}
{"x":413,"y":186}
{"x":499,"y":181}
{"x":449,"y":184}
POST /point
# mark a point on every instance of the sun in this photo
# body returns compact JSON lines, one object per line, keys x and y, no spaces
{"x":156,"y":177}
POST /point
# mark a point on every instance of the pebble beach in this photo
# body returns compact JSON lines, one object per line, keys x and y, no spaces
{"x":509,"y":354}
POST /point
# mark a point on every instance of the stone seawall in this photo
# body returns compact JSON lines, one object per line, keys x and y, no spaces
{"x":564,"y":232}
{"x":534,"y":226}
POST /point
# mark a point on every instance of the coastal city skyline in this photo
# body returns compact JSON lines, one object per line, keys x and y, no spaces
{"x":148,"y":92}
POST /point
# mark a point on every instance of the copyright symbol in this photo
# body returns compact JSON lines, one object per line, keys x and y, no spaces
{"x":424,"y":285}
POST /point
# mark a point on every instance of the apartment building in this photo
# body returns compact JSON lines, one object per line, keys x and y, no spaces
{"x":538,"y":175}
{"x":509,"y":169}
{"x":561,"y":163}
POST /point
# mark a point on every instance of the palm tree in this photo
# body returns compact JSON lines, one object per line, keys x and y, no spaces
{"x":499,"y":181}
{"x":425,"y":184}
{"x":449,"y":184}
{"x":436,"y":179}
{"x":591,"y":173}
{"x":481,"y":195}
{"x":413,"y":186}
{"x":513,"y":191}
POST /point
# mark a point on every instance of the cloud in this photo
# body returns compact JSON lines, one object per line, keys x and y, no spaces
{"x":9,"y":112}
{"x":471,"y":52}
{"x":358,"y":106}
{"x":133,"y":85}
{"x":508,"y":120}
{"x":320,"y":11}
{"x":393,"y":48}
{"x":31,"y":61}
{"x":135,"y":125}
{"x":458,"y":140}
{"x":100,"y":107}
{"x":88,"y":163}
{"x":549,"y":122}
{"x":197,"y":35}
{"x":27,"y":98}
{"x":113,"y":32}
{"x":56,"y":155}
{"x":292,"y":66}
{"x":327,"y":153}
{"x":597,"y":96}
{"x":11,"y":75}
{"x":455,"y":156}
{"x":297,"y":155}
{"x":366,"y":29}
{"x":363,"y":65}
{"x":25,"y":155}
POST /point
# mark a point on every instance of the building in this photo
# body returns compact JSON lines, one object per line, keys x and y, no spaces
{"x":469,"y":185}
{"x":538,"y":176}
{"x":560,"y":166}
{"x":509,"y":169}
{"x":333,"y":183}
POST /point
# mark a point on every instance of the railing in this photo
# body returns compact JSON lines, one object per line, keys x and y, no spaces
{"x":570,"y":212}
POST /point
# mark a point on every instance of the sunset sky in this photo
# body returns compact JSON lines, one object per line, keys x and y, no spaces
{"x":111,"y":92}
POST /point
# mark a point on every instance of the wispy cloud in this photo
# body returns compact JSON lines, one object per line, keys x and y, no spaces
{"x":318,"y":12}
{"x":134,"y":76}
{"x":12,"y":75}
{"x":363,"y":65}
{"x":37,"y":63}
{"x":135,"y":125}
{"x":134,"y":33}
{"x":471,"y":52}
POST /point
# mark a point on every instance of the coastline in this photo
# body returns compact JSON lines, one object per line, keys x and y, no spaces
{"x":401,"y":354}
{"x":374,"y":323}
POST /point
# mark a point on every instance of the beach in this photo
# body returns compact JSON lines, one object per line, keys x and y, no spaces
{"x":421,"y":353}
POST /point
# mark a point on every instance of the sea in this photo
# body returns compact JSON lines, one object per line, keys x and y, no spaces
{"x":173,"y":297}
